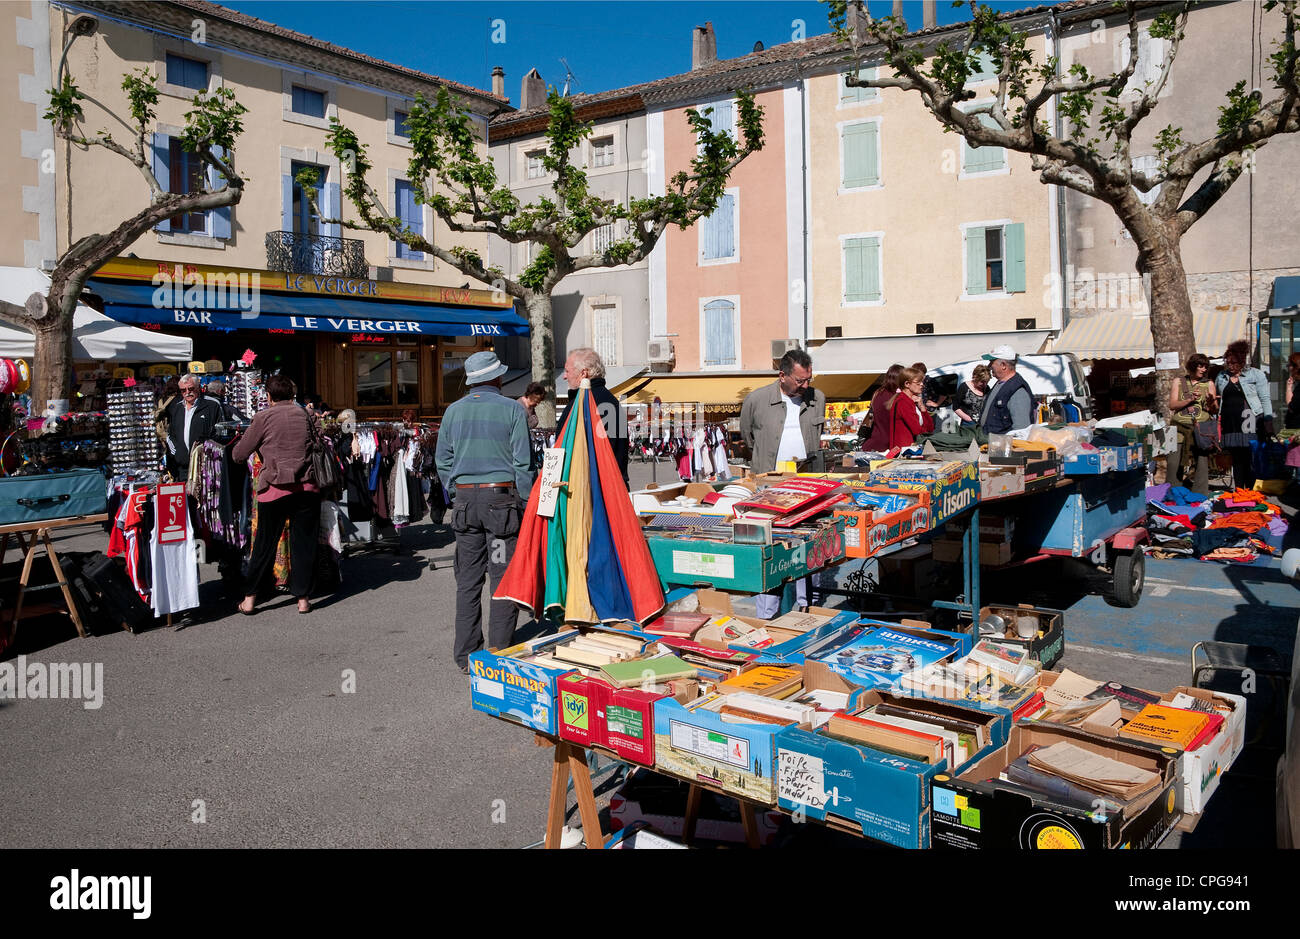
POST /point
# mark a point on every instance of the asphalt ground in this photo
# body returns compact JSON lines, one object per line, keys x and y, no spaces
{"x":351,"y":726}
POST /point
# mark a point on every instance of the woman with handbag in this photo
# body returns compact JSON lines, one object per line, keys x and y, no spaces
{"x":908,"y":417}
{"x":1246,"y":409}
{"x":288,"y":490}
{"x":1193,"y":401}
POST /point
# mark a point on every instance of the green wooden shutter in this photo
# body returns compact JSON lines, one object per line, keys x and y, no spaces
{"x":1015,"y":257}
{"x":858,"y":95}
{"x":982,"y":159}
{"x":861,"y":156}
{"x":975,"y":273}
{"x":861,"y":269}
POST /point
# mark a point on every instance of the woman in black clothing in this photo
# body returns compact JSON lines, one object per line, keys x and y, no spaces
{"x":1236,"y":419}
{"x":970,"y":396}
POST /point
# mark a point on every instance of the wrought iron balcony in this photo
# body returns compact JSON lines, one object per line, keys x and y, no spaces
{"x":316,"y":254}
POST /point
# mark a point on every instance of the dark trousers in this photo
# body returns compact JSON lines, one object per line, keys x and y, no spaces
{"x":1243,"y":467}
{"x":486,"y":524}
{"x":302,"y":511}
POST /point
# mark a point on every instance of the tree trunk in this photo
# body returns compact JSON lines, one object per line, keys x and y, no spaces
{"x":1171,"y":312}
{"x":52,"y":362}
{"x":542,"y":351}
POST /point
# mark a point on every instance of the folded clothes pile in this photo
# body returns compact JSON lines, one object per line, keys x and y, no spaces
{"x":1236,"y":526}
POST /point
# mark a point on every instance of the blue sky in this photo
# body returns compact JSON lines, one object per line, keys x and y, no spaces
{"x":608,"y":43}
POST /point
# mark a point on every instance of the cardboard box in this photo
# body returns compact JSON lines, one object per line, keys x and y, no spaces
{"x":954,"y":486}
{"x":522,"y":692}
{"x":998,"y":482}
{"x":867,"y":531}
{"x":745,"y":568}
{"x":887,"y":796}
{"x":787,"y":645}
{"x":1048,"y":646}
{"x":1091,"y":462}
{"x":973,"y":810}
{"x":739,"y":758}
{"x":653,"y":500}
{"x":595,"y":713}
{"x":997,"y":527}
{"x":992,"y":554}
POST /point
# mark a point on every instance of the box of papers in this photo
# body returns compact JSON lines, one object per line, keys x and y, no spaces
{"x":692,"y":559}
{"x":885,"y":794}
{"x":595,"y":713}
{"x":953,"y":485}
{"x":1205,"y":765}
{"x":976,"y":808}
{"x":1048,"y":642}
{"x":697,"y":742}
{"x":505,"y":685}
{"x":869,"y":530}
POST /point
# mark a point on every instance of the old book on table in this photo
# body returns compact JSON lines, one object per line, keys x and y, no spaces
{"x":788,"y":497}
{"x":1094,"y":771}
{"x":797,"y":622}
{"x":953,"y":748}
{"x":926,"y":748}
{"x":1167,"y":726}
{"x":655,"y":671}
{"x":1056,"y":788}
{"x":771,"y":680}
{"x":1069,"y":688}
{"x":976,"y":730}
{"x":684,"y":625}
{"x":582,"y":656}
{"x":772,"y":711}
{"x":1132,"y":700}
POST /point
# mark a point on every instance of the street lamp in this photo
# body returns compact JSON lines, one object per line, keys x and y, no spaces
{"x":82,"y":25}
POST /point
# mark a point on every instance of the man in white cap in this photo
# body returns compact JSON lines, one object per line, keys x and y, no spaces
{"x":1010,"y":403}
{"x":483,"y":457}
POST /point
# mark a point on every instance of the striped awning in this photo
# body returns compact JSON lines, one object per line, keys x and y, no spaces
{"x":1128,"y":336}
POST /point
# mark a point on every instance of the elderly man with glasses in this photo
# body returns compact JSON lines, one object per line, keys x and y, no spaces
{"x":191,"y":419}
{"x":783,"y":421}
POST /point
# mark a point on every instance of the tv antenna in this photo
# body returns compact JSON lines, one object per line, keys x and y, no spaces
{"x":569,"y":77}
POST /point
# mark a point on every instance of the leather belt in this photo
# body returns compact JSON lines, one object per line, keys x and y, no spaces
{"x":485,"y":485}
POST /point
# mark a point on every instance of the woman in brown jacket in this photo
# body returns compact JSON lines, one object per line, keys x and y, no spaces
{"x":286,"y":492}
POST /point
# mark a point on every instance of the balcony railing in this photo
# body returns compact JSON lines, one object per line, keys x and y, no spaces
{"x":316,"y":254}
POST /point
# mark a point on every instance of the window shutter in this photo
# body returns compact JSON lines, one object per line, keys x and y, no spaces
{"x":871,"y":268}
{"x":975,"y":261}
{"x":1015,"y":259}
{"x":286,"y":202}
{"x":719,"y":229}
{"x":982,"y":159}
{"x":861,"y":164}
{"x":220,"y":218}
{"x":850,"y":95}
{"x":719,"y":333}
{"x":721,"y":119}
{"x":331,"y":208}
{"x":162,"y":171}
{"x":861,"y":269}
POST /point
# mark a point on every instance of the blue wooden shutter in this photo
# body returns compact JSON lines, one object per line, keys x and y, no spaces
{"x":286,"y":202}
{"x":162,"y":171}
{"x":718,"y":232}
{"x":331,"y":207}
{"x":719,"y":333}
{"x":975,"y":273}
{"x":411,"y":216}
{"x":721,"y":119}
{"x":219,"y":219}
{"x":861,"y":156}
{"x":1015,"y":258}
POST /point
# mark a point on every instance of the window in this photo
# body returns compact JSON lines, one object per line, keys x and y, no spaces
{"x":411,"y":216}
{"x":719,"y":334}
{"x":986,"y":68}
{"x":995,"y":259}
{"x":387,"y":376}
{"x":602,"y":238}
{"x":850,"y":95}
{"x":308,"y":101}
{"x":185,"y":174}
{"x":859,"y":155}
{"x":862,"y":269}
{"x":604,"y":332}
{"x":721,"y":120}
{"x":535,"y":168}
{"x":718,"y":231}
{"x":982,"y":159}
{"x":305,"y":221}
{"x":399,"y":124}
{"x":1151,"y":55}
{"x":187,"y":73}
{"x":602,"y":151}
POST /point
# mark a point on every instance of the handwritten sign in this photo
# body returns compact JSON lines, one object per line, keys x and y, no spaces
{"x":801,"y":779}
{"x":173,"y":520}
{"x":552,"y":470}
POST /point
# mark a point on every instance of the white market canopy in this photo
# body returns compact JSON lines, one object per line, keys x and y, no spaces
{"x":95,"y":337}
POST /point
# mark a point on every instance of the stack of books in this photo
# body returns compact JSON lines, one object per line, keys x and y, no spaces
{"x":907,"y":731}
{"x":792,"y":501}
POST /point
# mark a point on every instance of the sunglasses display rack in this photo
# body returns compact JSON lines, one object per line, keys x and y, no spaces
{"x":245,"y":391}
{"x":133,"y":444}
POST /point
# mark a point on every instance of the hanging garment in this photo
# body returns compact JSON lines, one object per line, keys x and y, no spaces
{"x":401,"y":503}
{"x":720,"y":465}
{"x":130,"y":534}
{"x":175,"y":563}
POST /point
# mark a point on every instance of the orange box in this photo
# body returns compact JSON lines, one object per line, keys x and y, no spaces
{"x":866,"y":531}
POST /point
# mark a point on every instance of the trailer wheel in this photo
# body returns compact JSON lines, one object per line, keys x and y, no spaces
{"x":1128,"y":579}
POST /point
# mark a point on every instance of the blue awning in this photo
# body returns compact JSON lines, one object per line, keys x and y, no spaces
{"x":259,"y":309}
{"x":1286,"y":292}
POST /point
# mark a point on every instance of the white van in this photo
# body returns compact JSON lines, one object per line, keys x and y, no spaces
{"x":1051,"y":376}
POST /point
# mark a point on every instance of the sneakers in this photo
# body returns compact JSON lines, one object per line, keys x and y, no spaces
{"x":464,"y":669}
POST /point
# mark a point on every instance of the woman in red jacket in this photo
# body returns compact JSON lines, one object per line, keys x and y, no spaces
{"x":908,"y":417}
{"x":876,"y":437}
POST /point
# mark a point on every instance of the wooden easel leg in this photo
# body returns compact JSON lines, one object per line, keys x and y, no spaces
{"x":587,"y":810}
{"x":693,"y":796}
{"x":63,"y":583}
{"x":750,"y":821}
{"x":559,"y":789}
{"x":23,"y":578}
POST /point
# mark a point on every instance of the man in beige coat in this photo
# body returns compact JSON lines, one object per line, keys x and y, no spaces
{"x":783,"y":421}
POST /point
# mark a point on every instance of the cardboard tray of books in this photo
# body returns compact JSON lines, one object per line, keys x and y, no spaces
{"x":953,"y":485}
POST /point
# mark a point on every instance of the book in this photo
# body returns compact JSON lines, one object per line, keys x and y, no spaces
{"x":788,"y":496}
{"x":1094,"y":771}
{"x":923,"y":747}
{"x":1056,"y":788}
{"x":879,"y":657}
{"x":656,"y":670}
{"x":797,"y":622}
{"x":978,"y":731}
{"x":684,"y":625}
{"x":571,"y":653}
{"x":1130,"y":699}
{"x":953,"y":750}
{"x":1009,"y":661}
{"x":805,"y":512}
{"x":1167,"y":726}
{"x":768,"y":680}
{"x":1208,"y":731}
{"x":785,"y":711}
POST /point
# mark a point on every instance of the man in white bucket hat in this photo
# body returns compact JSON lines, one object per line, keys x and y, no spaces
{"x":483,"y":457}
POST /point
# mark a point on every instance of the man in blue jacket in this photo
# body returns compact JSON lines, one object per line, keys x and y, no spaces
{"x":1009,"y":404}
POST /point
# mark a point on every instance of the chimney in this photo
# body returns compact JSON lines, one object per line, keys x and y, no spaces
{"x":499,"y":81}
{"x":856,"y":21}
{"x":898,"y":12}
{"x":758,"y":46}
{"x":929,"y":13}
{"x":532,"y":91}
{"x":704,"y":46}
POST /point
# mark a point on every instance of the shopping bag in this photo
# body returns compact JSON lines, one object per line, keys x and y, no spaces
{"x":1205,"y":434}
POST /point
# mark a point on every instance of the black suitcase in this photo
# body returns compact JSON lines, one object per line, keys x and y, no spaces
{"x":117,"y":597}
